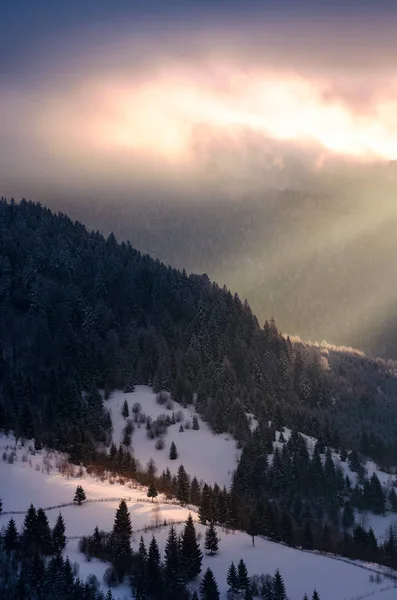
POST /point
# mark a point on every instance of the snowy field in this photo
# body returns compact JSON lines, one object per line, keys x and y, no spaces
{"x":35,"y":479}
{"x":204,"y":454}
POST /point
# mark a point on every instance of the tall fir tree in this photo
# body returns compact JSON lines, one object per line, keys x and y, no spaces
{"x":58,"y":535}
{"x":43,"y":533}
{"x":183,"y":486}
{"x":243,"y":582}
{"x":11,"y":538}
{"x":232,"y":580}
{"x":121,"y":540}
{"x":154,"y":571}
{"x":190,"y":550}
{"x":209,"y":588}
{"x":279,"y":592}
{"x":211,"y":540}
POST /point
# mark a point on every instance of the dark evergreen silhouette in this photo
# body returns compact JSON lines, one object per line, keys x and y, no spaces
{"x":152,"y":491}
{"x":125,"y":411}
{"x":79,"y":495}
{"x":58,"y":535}
{"x":232,"y":579}
{"x":279,"y":592}
{"x":154,"y":571}
{"x":183,"y":486}
{"x":211,"y":540}
{"x":121,"y":540}
{"x":209,"y":588}
{"x":243,"y":582}
{"x":173,"y":452}
{"x":11,"y":538}
{"x":190,"y":550}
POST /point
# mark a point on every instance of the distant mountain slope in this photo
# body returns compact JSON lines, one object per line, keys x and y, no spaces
{"x":80,"y":312}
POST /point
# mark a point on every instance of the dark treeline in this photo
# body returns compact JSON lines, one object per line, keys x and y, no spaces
{"x":80,"y":312}
{"x":32,"y":565}
{"x":175,"y":576}
{"x":298,"y":499}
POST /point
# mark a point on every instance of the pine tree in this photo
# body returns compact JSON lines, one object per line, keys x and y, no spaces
{"x":243,"y":582}
{"x":121,"y":544}
{"x":174,"y":574}
{"x":211,"y":540}
{"x":173,"y":452}
{"x":58,"y":535}
{"x":231,"y":579}
{"x":209,"y":588}
{"x":10,"y":539}
{"x":125,"y":411}
{"x":195,"y":491}
{"x":315,"y":595}
{"x":29,"y":529}
{"x":43,"y":533}
{"x":154,"y":572}
{"x":205,"y":508}
{"x":79,"y":495}
{"x":138,"y":578}
{"x":195,"y":425}
{"x":152,"y":492}
{"x":1,"y":506}
{"x":279,"y":592}
{"x":190,"y":550}
{"x":183,"y":486}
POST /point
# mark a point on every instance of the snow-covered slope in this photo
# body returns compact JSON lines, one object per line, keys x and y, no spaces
{"x":206,"y":455}
{"x":34,"y":478}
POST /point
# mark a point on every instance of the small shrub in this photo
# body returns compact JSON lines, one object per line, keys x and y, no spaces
{"x":162,"y":398}
{"x":179,"y":416}
{"x":160,"y":444}
{"x":136,"y":408}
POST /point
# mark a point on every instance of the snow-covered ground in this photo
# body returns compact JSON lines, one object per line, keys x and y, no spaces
{"x":27,"y":481}
{"x":204,"y":454}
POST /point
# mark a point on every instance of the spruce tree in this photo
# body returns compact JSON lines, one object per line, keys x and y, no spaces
{"x":11,"y":539}
{"x":315,"y":595}
{"x":154,"y":571}
{"x":121,"y":540}
{"x":211,"y":540}
{"x":28,"y":537}
{"x":190,"y":550}
{"x":139,"y":578}
{"x":173,"y":452}
{"x":243,"y":582}
{"x":205,"y":508}
{"x":79,"y":495}
{"x":279,"y":592}
{"x":183,"y":486}
{"x":1,"y":506}
{"x":58,"y":535}
{"x":209,"y":588}
{"x":195,"y":425}
{"x":174,"y":574}
{"x":232,"y":580}
{"x":125,"y":411}
{"x":152,"y":492}
{"x":43,"y":533}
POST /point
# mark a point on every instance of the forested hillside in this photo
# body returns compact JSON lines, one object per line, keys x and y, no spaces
{"x":80,"y":312}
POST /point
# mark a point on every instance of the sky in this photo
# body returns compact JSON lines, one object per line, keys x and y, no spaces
{"x":181,"y":125}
